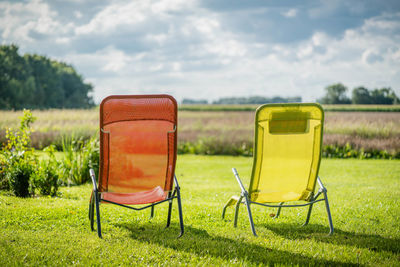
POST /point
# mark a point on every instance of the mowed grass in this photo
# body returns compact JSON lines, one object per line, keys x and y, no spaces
{"x":365,"y":204}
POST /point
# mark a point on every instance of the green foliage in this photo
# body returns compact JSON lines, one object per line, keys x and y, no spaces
{"x":334,"y":151}
{"x":194,"y":101}
{"x":21,"y":171}
{"x":361,"y":108}
{"x":383,"y":96}
{"x":327,"y":108}
{"x":46,"y":177}
{"x":335,"y":94}
{"x":256,"y":100}
{"x":18,"y":176}
{"x":33,"y":81}
{"x":18,"y":157}
{"x":79,"y":157}
{"x":216,"y":146}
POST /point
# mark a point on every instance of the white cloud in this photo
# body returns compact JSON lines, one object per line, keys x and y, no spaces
{"x":362,"y":56}
{"x":78,"y":14}
{"x":19,"y":20}
{"x":291,"y":13}
{"x":130,"y":14}
{"x":183,"y":48}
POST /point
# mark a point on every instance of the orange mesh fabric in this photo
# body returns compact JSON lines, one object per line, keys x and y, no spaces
{"x":137,"y":144}
{"x":157,"y":194}
{"x":122,"y":108}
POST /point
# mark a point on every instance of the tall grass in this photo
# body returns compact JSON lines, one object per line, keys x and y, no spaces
{"x":224,"y":132}
{"x":79,"y":157}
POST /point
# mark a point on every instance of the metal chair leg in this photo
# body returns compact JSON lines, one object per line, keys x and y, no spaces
{"x":223,"y":211}
{"x":180,"y":212}
{"x":231,"y":202}
{"x":152,"y":212}
{"x":279,"y":211}
{"x":237,"y":211}
{"x":96,"y":196}
{"x":178,"y":195}
{"x":250,"y":216}
{"x":91,"y":212}
{"x":308,"y":215}
{"x":328,"y":211}
{"x":169,"y":212}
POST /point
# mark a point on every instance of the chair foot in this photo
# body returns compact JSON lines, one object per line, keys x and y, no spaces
{"x":279,"y":211}
{"x":178,"y":195}
{"x":308,"y":215}
{"x":151,"y":212}
{"x":328,"y":211}
{"x":247,"y":201}
{"x":237,"y":211}
{"x":96,"y":197}
{"x":169,"y":213}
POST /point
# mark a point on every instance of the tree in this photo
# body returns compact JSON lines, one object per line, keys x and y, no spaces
{"x":34,"y":81}
{"x":335,"y":94}
{"x":14,"y":73}
{"x":194,"y":101}
{"x":384,"y":96}
{"x":256,"y":100}
{"x":361,"y":95}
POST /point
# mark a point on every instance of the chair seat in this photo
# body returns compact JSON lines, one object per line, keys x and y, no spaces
{"x":144,"y":197}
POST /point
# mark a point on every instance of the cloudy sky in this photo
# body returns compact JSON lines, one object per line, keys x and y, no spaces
{"x":210,"y":49}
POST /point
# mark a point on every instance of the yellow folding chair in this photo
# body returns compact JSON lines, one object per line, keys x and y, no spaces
{"x":287,"y":155}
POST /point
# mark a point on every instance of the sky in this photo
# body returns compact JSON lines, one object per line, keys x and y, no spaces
{"x":212,"y":49}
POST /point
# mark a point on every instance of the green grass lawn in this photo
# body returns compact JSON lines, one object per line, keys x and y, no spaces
{"x":365,"y":204}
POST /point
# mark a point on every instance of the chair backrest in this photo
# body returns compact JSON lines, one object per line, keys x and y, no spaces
{"x":137,"y":143}
{"x":287,"y":152}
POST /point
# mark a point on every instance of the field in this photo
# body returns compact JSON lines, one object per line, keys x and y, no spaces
{"x":364,"y":197}
{"x":230,"y":132}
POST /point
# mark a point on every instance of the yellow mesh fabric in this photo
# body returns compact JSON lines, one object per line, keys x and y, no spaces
{"x":287,"y":152}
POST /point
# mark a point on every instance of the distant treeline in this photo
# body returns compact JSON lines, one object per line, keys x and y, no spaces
{"x":37,"y":82}
{"x":336,"y":94}
{"x":244,"y":100}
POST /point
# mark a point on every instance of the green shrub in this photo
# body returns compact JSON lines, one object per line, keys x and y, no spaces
{"x":18,"y":159}
{"x":335,"y":151}
{"x":20,"y":170}
{"x":18,"y":176}
{"x":46,"y":177}
{"x":216,"y":146}
{"x":79,"y":157}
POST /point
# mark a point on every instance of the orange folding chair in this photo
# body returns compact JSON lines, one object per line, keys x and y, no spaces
{"x":138,"y":136}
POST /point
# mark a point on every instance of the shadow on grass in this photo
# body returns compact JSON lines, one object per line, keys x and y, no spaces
{"x":320,"y":233}
{"x":201,"y":243}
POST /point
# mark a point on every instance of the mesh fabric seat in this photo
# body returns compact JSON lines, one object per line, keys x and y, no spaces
{"x":137,"y":154}
{"x":287,"y":154}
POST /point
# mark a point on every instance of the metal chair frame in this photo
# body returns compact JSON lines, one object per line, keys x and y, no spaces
{"x":245,"y":199}
{"x":95,"y":201}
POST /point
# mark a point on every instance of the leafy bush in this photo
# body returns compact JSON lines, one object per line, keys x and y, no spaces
{"x":18,"y":177}
{"x":46,"y":177}
{"x":18,"y":158}
{"x":216,"y":146}
{"x":79,"y":157}
{"x":335,"y":151}
{"x":20,"y":169}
